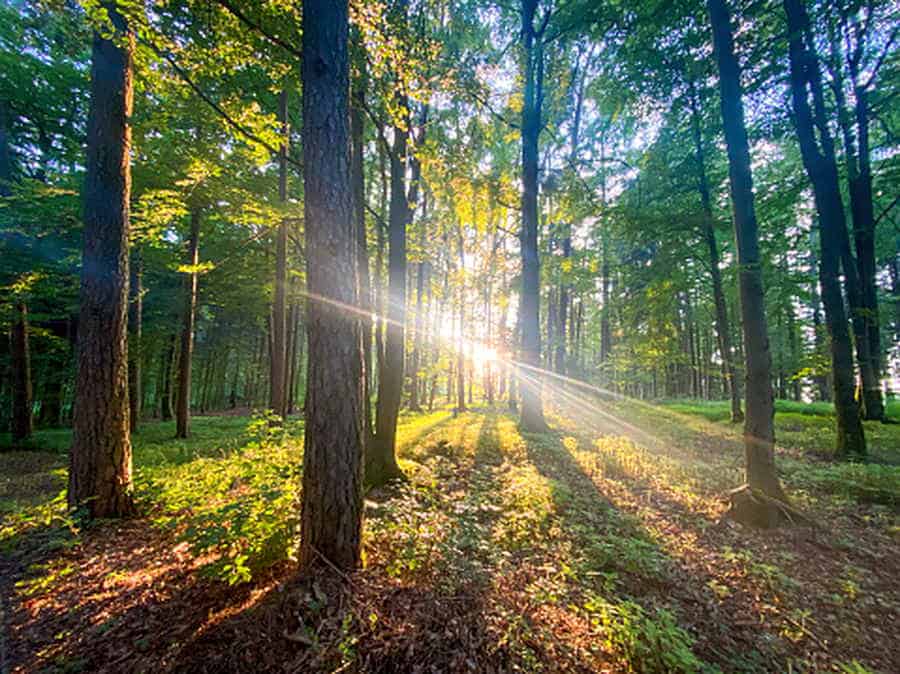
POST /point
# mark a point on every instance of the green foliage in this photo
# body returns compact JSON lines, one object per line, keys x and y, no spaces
{"x":650,"y":642}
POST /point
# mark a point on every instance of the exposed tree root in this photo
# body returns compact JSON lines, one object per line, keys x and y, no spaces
{"x":754,"y":508}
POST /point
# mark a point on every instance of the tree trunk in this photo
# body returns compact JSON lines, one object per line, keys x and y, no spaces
{"x":100,"y":458}
{"x":22,"y":421}
{"x":135,"y":327}
{"x":185,"y":354}
{"x":331,"y":518}
{"x":165,"y":401}
{"x":278,"y":369}
{"x":723,"y":330}
{"x":759,"y":432}
{"x":381,"y":459}
{"x":821,"y":167}
{"x":532,"y":415}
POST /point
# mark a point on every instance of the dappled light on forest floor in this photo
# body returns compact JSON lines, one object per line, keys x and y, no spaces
{"x":588,"y":548}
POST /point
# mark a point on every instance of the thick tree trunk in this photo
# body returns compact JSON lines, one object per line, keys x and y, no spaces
{"x":723,"y":330}
{"x":821,"y":167}
{"x":331,"y":518}
{"x":22,"y":420}
{"x":381,"y":459}
{"x":278,"y":369}
{"x":759,"y":432}
{"x":532,"y":415}
{"x":100,"y":458}
{"x":186,"y":353}
{"x":135,"y":328}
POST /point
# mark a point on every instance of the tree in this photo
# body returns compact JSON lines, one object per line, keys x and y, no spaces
{"x":188,"y":313}
{"x":22,"y":422}
{"x":278,"y":379}
{"x":331,"y":518}
{"x":532,"y":416}
{"x":821,"y":167}
{"x":759,"y":432}
{"x":100,"y":457}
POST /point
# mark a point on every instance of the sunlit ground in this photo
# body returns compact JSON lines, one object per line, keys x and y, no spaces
{"x":599,"y":546}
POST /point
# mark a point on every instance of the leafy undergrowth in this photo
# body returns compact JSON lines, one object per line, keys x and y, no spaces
{"x":600,"y":546}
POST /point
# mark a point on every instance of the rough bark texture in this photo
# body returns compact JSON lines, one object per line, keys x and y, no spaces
{"x":821,"y":167}
{"x":278,"y":370}
{"x":22,"y":421}
{"x":331,"y":518}
{"x":759,"y":432}
{"x":135,"y":328}
{"x":723,"y":330}
{"x":532,"y":415}
{"x":100,"y":458}
{"x":186,"y":353}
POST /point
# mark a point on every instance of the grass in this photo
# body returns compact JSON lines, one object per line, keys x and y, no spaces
{"x":598,"y":546}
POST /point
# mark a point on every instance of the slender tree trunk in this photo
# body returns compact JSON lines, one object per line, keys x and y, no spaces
{"x":331,"y":518}
{"x":22,"y":422}
{"x":100,"y":458}
{"x":168,"y":359}
{"x":358,"y":184}
{"x":278,"y":370}
{"x":723,"y":330}
{"x":186,"y":353}
{"x":381,"y":459}
{"x":759,"y":432}
{"x":532,"y":415}
{"x":821,"y":167}
{"x":135,"y":328}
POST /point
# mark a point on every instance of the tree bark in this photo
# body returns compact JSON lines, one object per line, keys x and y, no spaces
{"x":22,"y":419}
{"x":100,"y":458}
{"x":331,"y":517}
{"x":821,"y":167}
{"x":168,"y":359}
{"x":532,"y":414}
{"x":186,"y":353}
{"x":759,"y":432}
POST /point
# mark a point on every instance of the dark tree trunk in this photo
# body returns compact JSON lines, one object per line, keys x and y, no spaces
{"x":563,"y":308}
{"x":100,"y":458}
{"x":186,"y":353}
{"x":723,"y":330}
{"x":22,"y":422}
{"x":821,"y":167}
{"x":278,"y":369}
{"x":381,"y":459}
{"x":331,"y":519}
{"x":135,"y":328}
{"x":759,"y":432}
{"x":532,"y":414}
{"x":168,"y":360}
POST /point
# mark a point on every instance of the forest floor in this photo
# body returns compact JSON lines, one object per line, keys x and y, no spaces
{"x":599,"y":546}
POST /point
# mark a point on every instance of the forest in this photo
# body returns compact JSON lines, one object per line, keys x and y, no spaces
{"x":450,"y":336}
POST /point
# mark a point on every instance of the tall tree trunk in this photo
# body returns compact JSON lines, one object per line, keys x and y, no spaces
{"x":168,"y":359}
{"x":532,"y":415}
{"x":278,"y":370}
{"x":135,"y":328}
{"x":381,"y":459}
{"x":563,"y":305}
{"x":331,"y":521}
{"x":186,"y":353}
{"x":759,"y":432}
{"x":22,"y":422}
{"x":723,"y":330}
{"x":358,"y":184}
{"x":821,"y":167}
{"x":100,"y":458}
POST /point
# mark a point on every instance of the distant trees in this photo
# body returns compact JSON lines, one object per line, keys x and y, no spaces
{"x":331,"y":520}
{"x":100,"y":457}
